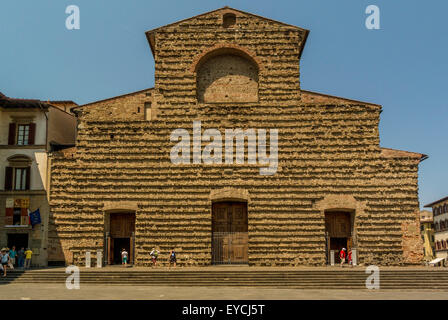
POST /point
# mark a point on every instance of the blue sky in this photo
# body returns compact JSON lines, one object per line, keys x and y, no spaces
{"x":403,"y":66}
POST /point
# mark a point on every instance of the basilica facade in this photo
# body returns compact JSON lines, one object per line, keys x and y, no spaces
{"x":180,"y":165}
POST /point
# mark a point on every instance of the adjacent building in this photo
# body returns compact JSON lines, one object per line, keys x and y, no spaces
{"x":150,"y":169}
{"x":427,"y":231}
{"x":440,"y":213}
{"x":29,"y":129}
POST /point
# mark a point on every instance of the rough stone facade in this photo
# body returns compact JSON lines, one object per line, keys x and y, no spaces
{"x":329,"y":157}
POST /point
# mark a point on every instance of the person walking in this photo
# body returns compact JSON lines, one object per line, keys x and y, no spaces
{"x":28,"y":255}
{"x":124,"y":257}
{"x":349,"y":257}
{"x":5,"y":261}
{"x":342,"y":255}
{"x":12,"y":256}
{"x":21,"y":257}
{"x":173,"y":258}
{"x":154,"y":255}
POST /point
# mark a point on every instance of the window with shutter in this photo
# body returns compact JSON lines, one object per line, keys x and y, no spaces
{"x":27,"y":178}
{"x":12,"y":134}
{"x":8,"y":178}
{"x":9,"y":214}
{"x":32,"y":134}
{"x":18,"y":173}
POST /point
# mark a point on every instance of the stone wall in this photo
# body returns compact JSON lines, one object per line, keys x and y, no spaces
{"x":327,"y":150}
{"x":324,"y":150}
{"x":227,"y":78}
{"x":180,"y":46}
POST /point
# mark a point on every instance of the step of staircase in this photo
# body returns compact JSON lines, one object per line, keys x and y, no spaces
{"x":308,"y":279}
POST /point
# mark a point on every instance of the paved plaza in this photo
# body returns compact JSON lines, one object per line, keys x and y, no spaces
{"x":100,"y":291}
{"x":95,"y":292}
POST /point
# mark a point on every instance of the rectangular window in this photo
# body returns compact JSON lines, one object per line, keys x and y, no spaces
{"x":16,"y":218}
{"x":148,"y":111}
{"x":20,"y":178}
{"x":23,"y":134}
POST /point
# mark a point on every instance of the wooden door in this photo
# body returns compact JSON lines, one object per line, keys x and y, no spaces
{"x":110,"y":244}
{"x":238,"y":217}
{"x":229,"y":217}
{"x":239,"y":226}
{"x":229,"y":227}
{"x":226,"y":241}
{"x":239,"y":246}
{"x":338,"y":231}
{"x":338,"y":225}
{"x":122,"y":225}
{"x":349,"y":244}
{"x":131,"y":249}
{"x":221,"y":220}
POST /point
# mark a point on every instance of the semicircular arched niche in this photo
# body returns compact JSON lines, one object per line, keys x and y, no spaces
{"x":227,"y":77}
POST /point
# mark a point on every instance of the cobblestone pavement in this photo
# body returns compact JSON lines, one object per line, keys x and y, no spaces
{"x":56,"y":291}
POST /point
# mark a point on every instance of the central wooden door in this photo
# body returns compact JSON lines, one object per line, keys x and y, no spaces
{"x":339,"y":232}
{"x":229,"y":233}
{"x":122,"y":228}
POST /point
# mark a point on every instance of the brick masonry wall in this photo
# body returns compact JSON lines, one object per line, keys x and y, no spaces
{"x":326,"y":151}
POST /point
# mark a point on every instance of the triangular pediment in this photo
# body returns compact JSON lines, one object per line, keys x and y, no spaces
{"x":214,"y":20}
{"x":213,"y":16}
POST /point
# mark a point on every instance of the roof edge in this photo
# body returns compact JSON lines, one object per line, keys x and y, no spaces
{"x":435,"y":202}
{"x":34,"y":103}
{"x":222,"y":8}
{"x":404,"y":154}
{"x":302,"y":45}
{"x":338,"y":97}
{"x":111,"y":98}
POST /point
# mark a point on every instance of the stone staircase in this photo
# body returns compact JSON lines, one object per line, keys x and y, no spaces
{"x":400,"y":279}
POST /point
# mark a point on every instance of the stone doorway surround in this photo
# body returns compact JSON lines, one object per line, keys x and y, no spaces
{"x":112,"y":207}
{"x":342,"y":203}
{"x":231,"y":195}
